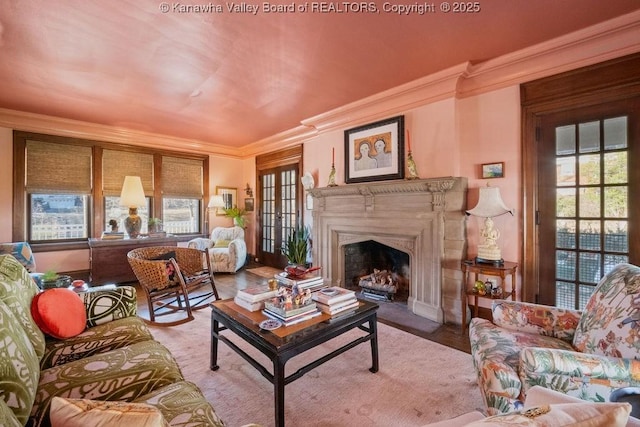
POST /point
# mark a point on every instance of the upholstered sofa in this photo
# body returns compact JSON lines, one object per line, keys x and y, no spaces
{"x":563,"y":410}
{"x":586,"y":354}
{"x":226,"y":248}
{"x":92,"y":368}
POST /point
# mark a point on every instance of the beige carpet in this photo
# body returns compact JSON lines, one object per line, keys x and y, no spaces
{"x":419,"y":381}
{"x":266,"y":272}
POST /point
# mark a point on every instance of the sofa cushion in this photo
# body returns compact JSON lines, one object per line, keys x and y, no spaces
{"x":609,"y":323}
{"x":563,"y":414}
{"x":103,"y":306}
{"x":7,"y":417}
{"x":222,"y":243}
{"x":19,"y":368}
{"x":17,"y":289}
{"x":59,"y":312}
{"x":22,"y":252}
{"x":535,"y":319}
{"x":99,"y":339}
{"x":86,"y":412}
{"x":496,"y":356}
{"x":182,"y":403}
{"x":123,"y":374}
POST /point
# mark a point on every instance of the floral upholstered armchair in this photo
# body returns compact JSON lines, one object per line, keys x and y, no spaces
{"x":226,"y":248}
{"x":586,"y":354}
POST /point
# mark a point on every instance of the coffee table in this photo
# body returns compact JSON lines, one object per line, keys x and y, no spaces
{"x":284,"y":343}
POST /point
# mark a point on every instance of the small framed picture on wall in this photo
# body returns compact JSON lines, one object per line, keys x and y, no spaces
{"x":493,"y":170}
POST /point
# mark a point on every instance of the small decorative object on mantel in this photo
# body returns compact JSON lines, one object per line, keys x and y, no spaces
{"x":332,"y":174}
{"x":411,"y":165}
{"x":113,"y":224}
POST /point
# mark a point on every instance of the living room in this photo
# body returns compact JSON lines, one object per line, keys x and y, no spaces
{"x":459,"y":117}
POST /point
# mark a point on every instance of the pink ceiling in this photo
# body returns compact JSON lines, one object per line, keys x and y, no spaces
{"x":232,"y":77}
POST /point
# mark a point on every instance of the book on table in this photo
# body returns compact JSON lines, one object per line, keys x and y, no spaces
{"x":339,"y":306}
{"x":292,"y":320}
{"x":256,"y":293}
{"x":248,"y":305}
{"x":286,"y":311}
{"x":332,"y":295}
{"x":302,"y":282}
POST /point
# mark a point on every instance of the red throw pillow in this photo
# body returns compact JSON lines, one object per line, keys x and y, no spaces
{"x":59,"y":312}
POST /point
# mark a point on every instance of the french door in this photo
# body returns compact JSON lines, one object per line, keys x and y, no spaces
{"x":588,"y":181}
{"x":279,"y":211}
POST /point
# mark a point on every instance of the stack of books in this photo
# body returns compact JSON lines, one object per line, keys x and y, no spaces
{"x":112,"y":235}
{"x":311,"y":281}
{"x":335,"y":300}
{"x":253,"y":298}
{"x":290,"y":314}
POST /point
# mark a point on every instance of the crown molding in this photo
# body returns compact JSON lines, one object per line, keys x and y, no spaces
{"x":425,"y":90}
{"x":599,"y":43}
{"x":38,"y":123}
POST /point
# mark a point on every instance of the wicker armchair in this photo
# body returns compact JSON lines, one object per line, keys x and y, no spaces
{"x":174,"y":279}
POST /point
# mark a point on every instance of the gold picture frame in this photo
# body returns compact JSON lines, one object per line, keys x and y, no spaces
{"x":230,"y":197}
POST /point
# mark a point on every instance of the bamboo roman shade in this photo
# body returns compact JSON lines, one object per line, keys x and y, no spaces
{"x":58,"y":168}
{"x":182,"y":177}
{"x":118,"y":164}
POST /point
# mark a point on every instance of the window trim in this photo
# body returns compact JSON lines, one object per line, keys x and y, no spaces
{"x":96,"y":199}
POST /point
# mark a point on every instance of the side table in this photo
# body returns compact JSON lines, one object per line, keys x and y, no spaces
{"x":501,"y":271}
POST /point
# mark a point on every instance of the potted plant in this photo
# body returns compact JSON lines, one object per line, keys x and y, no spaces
{"x":154,"y":225}
{"x":51,"y":279}
{"x":296,"y":247}
{"x":237,"y":214}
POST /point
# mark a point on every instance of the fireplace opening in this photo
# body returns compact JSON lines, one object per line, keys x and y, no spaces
{"x":377,"y":269}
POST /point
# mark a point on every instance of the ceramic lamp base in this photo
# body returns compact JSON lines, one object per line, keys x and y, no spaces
{"x":133,"y":223}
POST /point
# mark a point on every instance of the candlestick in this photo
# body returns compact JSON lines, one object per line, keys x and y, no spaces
{"x":408,"y":140}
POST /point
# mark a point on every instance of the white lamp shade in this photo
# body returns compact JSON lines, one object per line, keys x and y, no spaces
{"x":216,"y":202}
{"x":132,"y":194}
{"x":490,"y":204}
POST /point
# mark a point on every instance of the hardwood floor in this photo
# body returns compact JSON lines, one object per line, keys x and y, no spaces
{"x":448,"y":335}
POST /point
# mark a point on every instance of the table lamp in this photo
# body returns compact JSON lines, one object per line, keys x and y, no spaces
{"x":215,"y":202}
{"x":489,"y":205}
{"x":132,"y":196}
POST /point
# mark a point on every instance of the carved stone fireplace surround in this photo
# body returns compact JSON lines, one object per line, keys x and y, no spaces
{"x":424,"y":218}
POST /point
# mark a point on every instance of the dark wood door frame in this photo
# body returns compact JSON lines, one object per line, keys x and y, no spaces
{"x":286,"y":157}
{"x":609,"y":81}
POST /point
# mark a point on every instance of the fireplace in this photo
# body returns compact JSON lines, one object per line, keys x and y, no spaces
{"x":422,"y":218}
{"x":378,"y":270}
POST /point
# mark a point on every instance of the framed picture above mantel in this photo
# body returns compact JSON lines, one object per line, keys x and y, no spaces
{"x":375,"y":152}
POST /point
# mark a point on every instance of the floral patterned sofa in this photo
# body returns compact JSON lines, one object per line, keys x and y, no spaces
{"x":111,"y":360}
{"x":583,"y":354}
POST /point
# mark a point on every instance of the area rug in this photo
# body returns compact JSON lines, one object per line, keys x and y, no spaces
{"x":419,"y":381}
{"x":266,"y":272}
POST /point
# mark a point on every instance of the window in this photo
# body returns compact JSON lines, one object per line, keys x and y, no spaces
{"x":182,"y":194}
{"x":71,"y":188}
{"x":116,"y":164}
{"x":58,"y":196}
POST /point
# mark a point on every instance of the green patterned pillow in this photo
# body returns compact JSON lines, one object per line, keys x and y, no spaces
{"x":7,"y":418}
{"x":19,"y":365}
{"x":107,"y":305}
{"x":17,"y":289}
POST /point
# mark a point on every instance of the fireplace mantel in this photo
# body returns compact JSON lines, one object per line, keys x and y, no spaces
{"x":424,"y":218}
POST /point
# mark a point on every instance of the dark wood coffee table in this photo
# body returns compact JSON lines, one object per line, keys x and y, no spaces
{"x":283,"y":343}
